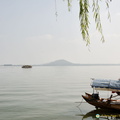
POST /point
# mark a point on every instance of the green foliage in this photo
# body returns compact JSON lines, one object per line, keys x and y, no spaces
{"x":84,"y":20}
{"x":96,"y":16}
{"x":69,"y":4}
{"x":84,"y":17}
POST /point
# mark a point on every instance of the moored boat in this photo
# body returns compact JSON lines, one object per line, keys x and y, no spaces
{"x":105,"y":103}
{"x":26,"y":66}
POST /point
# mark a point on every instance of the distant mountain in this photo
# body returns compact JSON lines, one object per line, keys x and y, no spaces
{"x":59,"y":63}
{"x":67,"y":63}
{"x":63,"y":62}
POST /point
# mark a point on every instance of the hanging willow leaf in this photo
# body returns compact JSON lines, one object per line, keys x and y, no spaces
{"x":96,"y":16}
{"x":84,"y":17}
{"x":84,"y":21}
{"x":69,"y":4}
{"x":107,"y":4}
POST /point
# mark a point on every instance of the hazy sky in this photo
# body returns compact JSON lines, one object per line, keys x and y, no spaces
{"x":30,"y":33}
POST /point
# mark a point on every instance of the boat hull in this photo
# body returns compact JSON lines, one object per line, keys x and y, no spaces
{"x":102,"y":103}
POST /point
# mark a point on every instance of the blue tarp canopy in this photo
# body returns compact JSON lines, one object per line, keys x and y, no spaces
{"x":112,"y":85}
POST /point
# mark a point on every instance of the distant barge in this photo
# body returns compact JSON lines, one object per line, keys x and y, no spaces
{"x":26,"y":66}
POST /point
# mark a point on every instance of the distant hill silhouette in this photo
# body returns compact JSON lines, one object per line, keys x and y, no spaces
{"x":59,"y":63}
{"x":63,"y":62}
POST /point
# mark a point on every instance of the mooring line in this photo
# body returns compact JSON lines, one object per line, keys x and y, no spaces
{"x":80,"y":103}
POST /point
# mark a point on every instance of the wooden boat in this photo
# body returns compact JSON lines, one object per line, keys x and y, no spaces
{"x":105,"y":103}
{"x":26,"y":66}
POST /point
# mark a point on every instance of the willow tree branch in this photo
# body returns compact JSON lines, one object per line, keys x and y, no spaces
{"x":84,"y":17}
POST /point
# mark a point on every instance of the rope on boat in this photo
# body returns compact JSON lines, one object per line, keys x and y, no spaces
{"x":80,"y":103}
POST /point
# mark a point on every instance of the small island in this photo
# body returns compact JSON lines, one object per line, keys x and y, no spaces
{"x":26,"y":66}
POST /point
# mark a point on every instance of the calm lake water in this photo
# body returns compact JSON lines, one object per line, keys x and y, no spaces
{"x":51,"y":93}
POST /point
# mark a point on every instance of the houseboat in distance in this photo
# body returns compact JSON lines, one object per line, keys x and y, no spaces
{"x":113,"y":102}
{"x":26,"y":66}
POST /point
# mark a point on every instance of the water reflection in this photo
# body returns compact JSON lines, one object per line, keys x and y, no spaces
{"x":101,"y":114}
